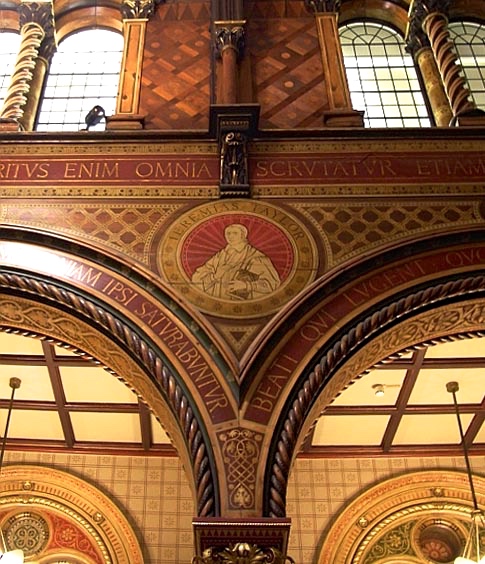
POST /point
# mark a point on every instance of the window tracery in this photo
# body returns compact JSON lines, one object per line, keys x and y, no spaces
{"x":469,"y":41}
{"x":9,"y":47}
{"x":381,"y":75}
{"x":84,"y":73}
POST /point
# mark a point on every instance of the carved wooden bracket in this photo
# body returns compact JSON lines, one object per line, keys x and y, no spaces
{"x":234,"y":125}
{"x":242,"y":553}
{"x":241,"y":541}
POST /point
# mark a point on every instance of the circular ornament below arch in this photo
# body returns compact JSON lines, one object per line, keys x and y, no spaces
{"x":420,"y":517}
{"x":55,"y":517}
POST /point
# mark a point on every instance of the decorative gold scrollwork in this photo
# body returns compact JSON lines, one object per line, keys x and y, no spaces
{"x":242,"y":553}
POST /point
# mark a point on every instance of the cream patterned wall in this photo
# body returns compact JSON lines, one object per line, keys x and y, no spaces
{"x":153,"y":493}
{"x":318,"y":490}
{"x":155,"y":496}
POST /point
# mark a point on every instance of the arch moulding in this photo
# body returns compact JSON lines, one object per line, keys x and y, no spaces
{"x":35,"y":306}
{"x":443,"y":299}
{"x":405,"y":519}
{"x":63,"y":516}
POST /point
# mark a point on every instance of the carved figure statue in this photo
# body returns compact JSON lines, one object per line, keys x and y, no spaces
{"x":234,"y":159}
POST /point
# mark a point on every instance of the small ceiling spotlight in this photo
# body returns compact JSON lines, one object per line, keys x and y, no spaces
{"x":94,"y":116}
{"x":379,"y":389}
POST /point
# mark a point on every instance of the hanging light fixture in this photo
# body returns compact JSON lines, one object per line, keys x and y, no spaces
{"x":10,"y":556}
{"x":471,"y":553}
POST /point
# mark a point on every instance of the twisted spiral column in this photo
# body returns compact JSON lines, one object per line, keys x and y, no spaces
{"x":32,"y":35}
{"x":435,"y":26}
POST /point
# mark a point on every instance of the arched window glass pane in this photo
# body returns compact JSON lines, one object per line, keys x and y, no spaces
{"x":382,"y":77}
{"x":84,"y":73}
{"x":469,"y":39}
{"x":9,"y":47}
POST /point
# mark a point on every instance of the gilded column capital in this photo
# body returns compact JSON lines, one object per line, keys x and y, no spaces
{"x":138,"y":9}
{"x":230,"y":35}
{"x":416,"y":38}
{"x":241,"y":541}
{"x":40,"y":14}
{"x":431,"y":6}
{"x":322,"y":6}
{"x":242,"y":553}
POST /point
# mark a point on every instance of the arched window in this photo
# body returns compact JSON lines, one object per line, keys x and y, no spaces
{"x":469,"y":39}
{"x":9,"y":47}
{"x":382,"y":77}
{"x":84,"y":73}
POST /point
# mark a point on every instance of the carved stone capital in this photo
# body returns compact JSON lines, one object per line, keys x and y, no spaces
{"x":42,"y":14}
{"x":241,"y":541}
{"x":230,"y":36}
{"x":242,"y":553}
{"x":431,"y":6}
{"x":35,"y":12}
{"x":138,"y":9}
{"x":416,"y":38}
{"x":319,"y":6}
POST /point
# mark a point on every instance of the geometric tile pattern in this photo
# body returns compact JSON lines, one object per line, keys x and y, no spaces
{"x":354,"y":228}
{"x":320,"y":488}
{"x":287,"y":72}
{"x":153,"y":493}
{"x":119,"y":226}
{"x":175,"y":83}
{"x":156,"y":497}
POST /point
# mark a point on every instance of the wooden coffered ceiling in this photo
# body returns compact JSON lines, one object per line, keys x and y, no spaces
{"x":415,"y":414}
{"x":68,"y":402}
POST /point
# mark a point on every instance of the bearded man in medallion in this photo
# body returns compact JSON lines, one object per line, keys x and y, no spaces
{"x":239,"y":271}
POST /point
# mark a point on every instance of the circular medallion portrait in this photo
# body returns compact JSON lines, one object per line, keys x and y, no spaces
{"x":238,"y":258}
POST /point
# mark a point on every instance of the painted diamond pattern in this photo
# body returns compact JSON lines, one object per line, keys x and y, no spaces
{"x":130,"y":229}
{"x":175,"y":92}
{"x":287,"y":72}
{"x":354,"y":229}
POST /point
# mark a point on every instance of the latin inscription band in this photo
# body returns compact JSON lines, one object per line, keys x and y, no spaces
{"x":203,"y":170}
{"x":137,"y":304}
